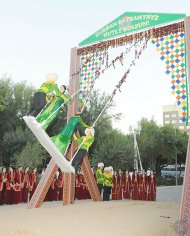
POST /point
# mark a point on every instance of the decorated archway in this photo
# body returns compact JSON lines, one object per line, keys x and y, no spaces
{"x":170,"y":33}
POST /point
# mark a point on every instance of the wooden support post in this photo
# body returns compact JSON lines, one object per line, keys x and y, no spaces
{"x":184,"y":216}
{"x":90,"y":180}
{"x":43,"y":186}
{"x":69,"y":185}
{"x":68,"y":189}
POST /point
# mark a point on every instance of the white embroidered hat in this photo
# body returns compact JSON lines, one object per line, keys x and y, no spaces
{"x":90,"y":130}
{"x":101,"y":164}
{"x":52,"y":77}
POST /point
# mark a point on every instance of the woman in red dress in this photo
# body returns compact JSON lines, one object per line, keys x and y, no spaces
{"x":33,"y":182}
{"x":9,"y":187}
{"x":114,"y":187}
{"x":52,"y":192}
{"x":3,"y":180}
{"x":135,"y":186}
{"x":151,"y":195}
{"x":86,"y":191}
{"x":81,"y":186}
{"x":117,"y":186}
{"x":126,"y":184}
{"x":25,"y":184}
{"x":18,"y":179}
{"x":142,"y":186}
{"x":120,"y":185}
{"x":60,"y":185}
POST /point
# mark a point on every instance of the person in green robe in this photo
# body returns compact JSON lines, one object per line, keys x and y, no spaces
{"x":100,"y":177}
{"x":63,"y":139}
{"x":52,"y":110}
{"x":84,"y":143}
{"x":49,"y":88}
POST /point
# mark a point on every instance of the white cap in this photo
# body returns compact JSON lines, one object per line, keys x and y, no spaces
{"x":106,"y":169}
{"x":101,"y":164}
{"x":52,"y":77}
{"x":110,"y":169}
{"x":90,"y":130}
{"x":148,"y":172}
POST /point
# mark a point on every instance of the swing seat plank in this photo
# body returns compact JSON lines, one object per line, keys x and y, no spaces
{"x":48,"y":144}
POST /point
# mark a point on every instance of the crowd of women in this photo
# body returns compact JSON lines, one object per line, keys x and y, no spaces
{"x":18,"y":186}
{"x":131,"y":185}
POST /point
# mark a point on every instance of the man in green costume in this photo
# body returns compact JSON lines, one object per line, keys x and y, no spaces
{"x":84,"y":143}
{"x":40,"y":97}
{"x":100,"y":177}
{"x":51,"y":111}
{"x":63,"y":139}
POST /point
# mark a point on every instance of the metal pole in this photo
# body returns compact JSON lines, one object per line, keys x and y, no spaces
{"x":135,"y":152}
{"x":140,"y":163}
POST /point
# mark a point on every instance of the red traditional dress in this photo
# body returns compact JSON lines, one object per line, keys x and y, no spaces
{"x":33,"y":183}
{"x":81,"y":186}
{"x":120,"y":187}
{"x":126,"y":183}
{"x":3,"y":180}
{"x":25,"y":186}
{"x":18,"y":179}
{"x":77,"y":187}
{"x":52,"y":192}
{"x":86,"y":191}
{"x":151,"y":188}
{"x":9,"y":188}
{"x":142,"y":187}
{"x":135,"y":187}
{"x":60,"y":186}
{"x":117,"y":187}
{"x":114,"y":188}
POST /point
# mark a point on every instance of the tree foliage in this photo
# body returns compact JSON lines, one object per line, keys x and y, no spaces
{"x":32,"y":155}
{"x":15,"y":98}
{"x":160,"y":146}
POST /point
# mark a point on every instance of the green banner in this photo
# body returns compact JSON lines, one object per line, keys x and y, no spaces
{"x":131,"y":22}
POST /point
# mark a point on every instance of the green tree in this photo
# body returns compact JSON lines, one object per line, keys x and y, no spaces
{"x":14,"y":141}
{"x":160,"y":145}
{"x":15,"y":100}
{"x":32,"y":155}
{"x":148,"y":145}
{"x":115,"y":149}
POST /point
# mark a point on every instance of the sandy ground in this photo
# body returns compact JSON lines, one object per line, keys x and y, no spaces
{"x":87,"y":218}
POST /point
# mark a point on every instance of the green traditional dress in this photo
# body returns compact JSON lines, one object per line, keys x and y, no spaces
{"x":50,"y":88}
{"x":84,"y":143}
{"x":100,"y":180}
{"x":100,"y":177}
{"x":63,"y":139}
{"x":107,"y":186}
{"x":89,"y":139}
{"x":50,"y":112}
{"x":47,"y":89}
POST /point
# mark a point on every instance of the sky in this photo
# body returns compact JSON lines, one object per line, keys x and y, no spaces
{"x":36,"y":37}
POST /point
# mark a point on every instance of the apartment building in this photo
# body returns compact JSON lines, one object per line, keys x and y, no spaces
{"x":171,"y":116}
